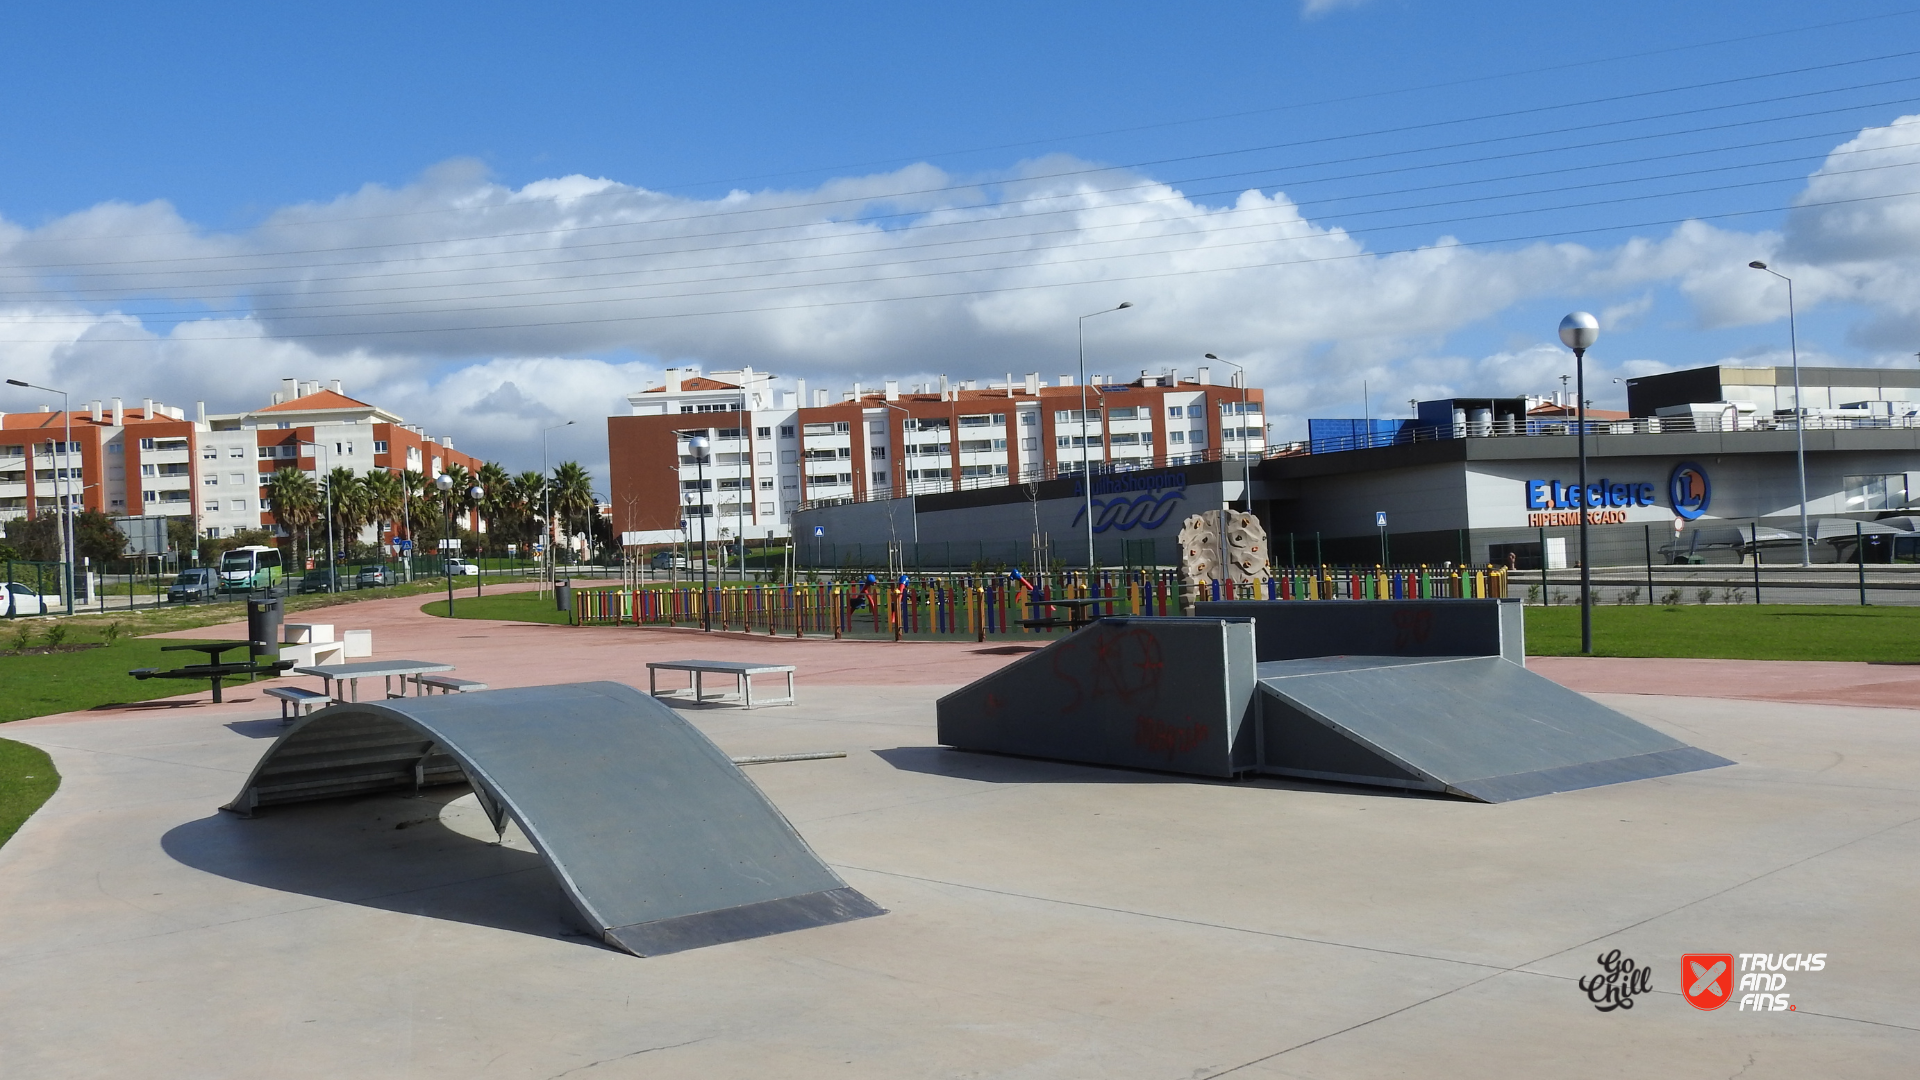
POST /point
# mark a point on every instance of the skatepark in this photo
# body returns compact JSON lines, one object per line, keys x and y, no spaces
{"x":1041,"y":917}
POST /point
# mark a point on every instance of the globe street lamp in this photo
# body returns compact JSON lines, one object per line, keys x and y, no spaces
{"x":697,"y":446}
{"x":1578,"y":332}
{"x":474,"y":495}
{"x":66,"y":484}
{"x":1799,"y":419}
{"x":1086,"y":472}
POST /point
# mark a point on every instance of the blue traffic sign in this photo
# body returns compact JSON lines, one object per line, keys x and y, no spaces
{"x":819,"y":530}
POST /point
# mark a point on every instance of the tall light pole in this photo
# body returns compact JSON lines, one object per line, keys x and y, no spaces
{"x":1246,"y":473}
{"x":697,"y":444}
{"x":1086,"y":471}
{"x":66,"y":484}
{"x":1799,"y":419}
{"x":1579,"y":331}
{"x":546,"y":495}
{"x":445,"y":484}
{"x":900,"y":462}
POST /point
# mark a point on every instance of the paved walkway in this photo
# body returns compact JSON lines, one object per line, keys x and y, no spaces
{"x":1892,"y":686}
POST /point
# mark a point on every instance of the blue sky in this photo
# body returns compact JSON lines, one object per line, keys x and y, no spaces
{"x":1086,"y":153}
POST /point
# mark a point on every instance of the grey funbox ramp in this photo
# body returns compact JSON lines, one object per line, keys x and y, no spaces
{"x":659,"y":840}
{"x":1200,"y":696}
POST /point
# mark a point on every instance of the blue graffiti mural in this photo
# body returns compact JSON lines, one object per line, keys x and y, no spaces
{"x":1148,"y":510}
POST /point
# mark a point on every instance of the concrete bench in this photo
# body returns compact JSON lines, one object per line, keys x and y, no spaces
{"x":296,"y":700}
{"x":298,"y":633}
{"x":446,"y":684}
{"x":743,"y":680}
{"x":359,"y":643}
{"x":314,"y":654}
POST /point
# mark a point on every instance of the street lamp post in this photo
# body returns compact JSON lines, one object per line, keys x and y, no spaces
{"x":66,"y":484}
{"x":1799,"y":419}
{"x":1246,"y":473}
{"x":333,"y":577}
{"x":697,"y":444}
{"x":474,"y":495}
{"x":1086,"y":471}
{"x":1579,"y":331}
{"x":445,"y":484}
{"x":546,"y":496}
{"x":906,"y":486}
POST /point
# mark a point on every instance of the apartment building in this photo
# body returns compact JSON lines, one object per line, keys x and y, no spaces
{"x":774,"y":450}
{"x":154,"y":460}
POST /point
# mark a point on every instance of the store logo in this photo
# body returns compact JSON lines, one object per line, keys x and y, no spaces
{"x":1133,"y":501}
{"x":1706,"y":979}
{"x":1689,"y":490}
{"x":1616,"y":983}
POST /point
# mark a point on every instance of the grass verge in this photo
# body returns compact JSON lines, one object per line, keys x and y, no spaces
{"x":1733,"y":632}
{"x":27,"y":779}
{"x":528,"y":606}
{"x":41,"y":684}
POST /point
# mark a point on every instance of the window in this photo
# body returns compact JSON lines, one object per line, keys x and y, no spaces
{"x":1236,"y":408}
{"x":763,"y":433}
{"x":766,"y":483}
{"x":786,"y":431}
{"x":236,"y":451}
{"x":727,"y":433}
{"x":825,"y":454}
{"x":239,"y":504}
{"x":969,"y":472}
{"x":379,"y":446}
{"x":846,"y":453}
{"x":1126,"y":412}
{"x":877,"y":427}
{"x":880,"y":479}
{"x":819,"y":429}
{"x":1029,"y":418}
{"x":1128,"y":439}
{"x":1066,"y":441}
{"x":1176,"y":436}
{"x":213,"y":532}
{"x":112,"y":448}
{"x":150,"y":496}
{"x":213,"y":506}
{"x":789,"y":481}
{"x":1029,"y":444}
{"x":788,"y":457}
{"x":878,"y":453}
{"x":790,"y":507}
{"x":1197,"y":437}
{"x":766,"y":508}
{"x":1883,"y":492}
{"x":237,"y":479}
{"x":146,"y":470}
{"x":930,"y":423}
{"x":980,"y":446}
{"x":210,"y":452}
{"x":696,"y":485}
{"x":765,"y":457}
{"x":1176,"y":411}
{"x":212,"y":480}
{"x":1073,"y":416}
{"x":732,"y":483}
{"x":697,"y":510}
{"x":146,"y":444}
{"x":978,"y":420}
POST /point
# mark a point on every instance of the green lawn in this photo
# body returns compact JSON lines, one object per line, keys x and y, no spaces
{"x":528,"y":606}
{"x":1733,"y":631}
{"x":62,"y":682}
{"x":27,"y":779}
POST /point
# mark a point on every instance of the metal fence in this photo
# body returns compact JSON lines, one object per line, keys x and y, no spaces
{"x":979,"y":605}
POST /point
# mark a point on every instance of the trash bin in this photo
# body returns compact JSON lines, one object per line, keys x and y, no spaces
{"x":263,"y":625}
{"x":563,"y":595}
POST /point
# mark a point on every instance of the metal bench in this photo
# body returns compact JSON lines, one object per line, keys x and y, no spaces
{"x":743,"y":680}
{"x":295,"y":700}
{"x":446,"y":684}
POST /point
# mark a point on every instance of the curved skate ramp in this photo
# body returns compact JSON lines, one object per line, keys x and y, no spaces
{"x":659,"y":841}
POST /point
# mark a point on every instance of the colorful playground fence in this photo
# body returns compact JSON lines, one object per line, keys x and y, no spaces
{"x":978,"y":605}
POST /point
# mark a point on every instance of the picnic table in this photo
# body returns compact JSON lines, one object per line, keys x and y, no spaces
{"x":743,"y":674}
{"x":214,"y":670}
{"x":1080,"y":612}
{"x":349,"y":675}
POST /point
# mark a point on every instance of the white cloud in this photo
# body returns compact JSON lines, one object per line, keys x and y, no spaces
{"x":486,"y":312}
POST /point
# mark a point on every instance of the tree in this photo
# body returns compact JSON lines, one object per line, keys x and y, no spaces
{"x":180,"y":536}
{"x":37,"y":539}
{"x":572,"y":497}
{"x":295,"y":501}
{"x":497,"y":505}
{"x":345,"y":498}
{"x":96,"y":537}
{"x":529,"y":491}
{"x":384,"y":500}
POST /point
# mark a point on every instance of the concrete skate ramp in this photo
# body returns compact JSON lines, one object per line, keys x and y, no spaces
{"x":1152,"y":693}
{"x":1478,"y":726}
{"x":660,"y":841}
{"x":1200,"y":696}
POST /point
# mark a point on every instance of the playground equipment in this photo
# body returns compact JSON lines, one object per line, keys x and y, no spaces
{"x":659,"y":841}
{"x":1426,"y":695}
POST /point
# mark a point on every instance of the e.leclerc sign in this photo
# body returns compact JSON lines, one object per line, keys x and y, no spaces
{"x":1551,"y":502}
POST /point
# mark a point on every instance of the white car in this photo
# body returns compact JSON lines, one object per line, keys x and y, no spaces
{"x":20,"y":600}
{"x":462,"y":568}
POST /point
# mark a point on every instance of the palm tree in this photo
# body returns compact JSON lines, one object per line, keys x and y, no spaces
{"x":295,"y":501}
{"x":413,"y":488}
{"x":496,"y":502}
{"x":529,"y":490}
{"x":572,"y":496}
{"x":346,"y":499}
{"x":383,"y":499}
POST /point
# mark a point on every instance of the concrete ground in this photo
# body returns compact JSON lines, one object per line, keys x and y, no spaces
{"x":1045,"y":919}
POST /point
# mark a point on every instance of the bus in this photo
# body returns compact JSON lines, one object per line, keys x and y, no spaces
{"x":245,"y":569}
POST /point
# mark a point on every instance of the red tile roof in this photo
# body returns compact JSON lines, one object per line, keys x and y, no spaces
{"x":324,"y":399}
{"x":697,"y":383}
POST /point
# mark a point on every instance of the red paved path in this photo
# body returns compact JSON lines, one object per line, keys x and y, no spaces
{"x":505,"y":654}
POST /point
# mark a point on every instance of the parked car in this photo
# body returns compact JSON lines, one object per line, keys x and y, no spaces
{"x":461,"y":568}
{"x":20,"y":600}
{"x":197,"y":583}
{"x":315,"y":581}
{"x":670,"y":560}
{"x":375,"y":575}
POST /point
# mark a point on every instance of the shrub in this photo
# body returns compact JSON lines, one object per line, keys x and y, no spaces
{"x":23,"y":637}
{"x":1533,"y":594}
{"x":112,"y":632}
{"x":1733,"y":596}
{"x":1671,"y":597}
{"x":1703,"y":595}
{"x":1627,"y":596}
{"x":1560,"y":596}
{"x":56,"y":634}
